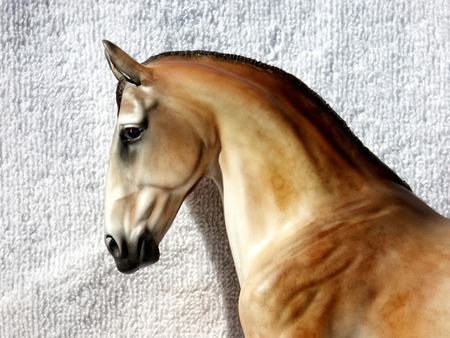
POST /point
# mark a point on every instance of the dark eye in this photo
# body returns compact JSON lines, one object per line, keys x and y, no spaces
{"x":131,"y":134}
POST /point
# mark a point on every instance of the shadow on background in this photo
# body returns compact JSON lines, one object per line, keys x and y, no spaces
{"x":205,"y":206}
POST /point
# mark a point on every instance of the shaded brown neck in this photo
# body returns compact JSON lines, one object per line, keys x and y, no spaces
{"x":301,"y":130}
{"x":335,"y":132}
{"x":285,"y":159}
{"x":291,"y":98}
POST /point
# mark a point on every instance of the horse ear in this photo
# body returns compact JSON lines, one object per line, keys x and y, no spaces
{"x":122,"y":64}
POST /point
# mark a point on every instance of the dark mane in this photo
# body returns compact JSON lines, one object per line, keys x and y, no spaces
{"x":226,"y":57}
{"x":291,"y":79}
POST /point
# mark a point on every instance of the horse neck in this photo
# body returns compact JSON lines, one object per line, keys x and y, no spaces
{"x":282,"y":162}
{"x":284,"y":157}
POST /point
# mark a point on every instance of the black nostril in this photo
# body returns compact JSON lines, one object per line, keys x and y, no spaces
{"x":148,"y":250}
{"x":112,"y":246}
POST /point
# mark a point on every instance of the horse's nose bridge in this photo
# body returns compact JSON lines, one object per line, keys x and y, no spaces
{"x":120,"y":214}
{"x":119,"y":226}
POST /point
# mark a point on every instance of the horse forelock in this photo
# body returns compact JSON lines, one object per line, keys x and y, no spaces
{"x":119,"y":91}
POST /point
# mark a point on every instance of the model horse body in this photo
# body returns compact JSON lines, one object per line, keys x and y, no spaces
{"x":327,"y":241}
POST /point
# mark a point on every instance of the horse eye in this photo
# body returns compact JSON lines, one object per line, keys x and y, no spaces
{"x":131,"y":134}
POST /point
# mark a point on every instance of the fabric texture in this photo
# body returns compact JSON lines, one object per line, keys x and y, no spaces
{"x":384,"y":67}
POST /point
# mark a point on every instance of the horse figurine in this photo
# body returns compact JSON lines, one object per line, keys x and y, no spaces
{"x":326,"y":239}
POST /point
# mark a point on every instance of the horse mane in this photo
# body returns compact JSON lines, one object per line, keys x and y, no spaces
{"x":291,"y":79}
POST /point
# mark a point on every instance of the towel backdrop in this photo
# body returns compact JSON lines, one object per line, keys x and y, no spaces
{"x":384,"y":66}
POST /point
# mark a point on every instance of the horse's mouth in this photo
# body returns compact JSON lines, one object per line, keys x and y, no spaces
{"x":129,"y":266}
{"x":133,"y":258}
{"x":127,"y":269}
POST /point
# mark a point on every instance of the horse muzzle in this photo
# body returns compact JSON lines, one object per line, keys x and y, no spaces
{"x":131,"y":257}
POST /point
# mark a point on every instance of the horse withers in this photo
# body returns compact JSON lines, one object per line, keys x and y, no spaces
{"x":326,"y":239}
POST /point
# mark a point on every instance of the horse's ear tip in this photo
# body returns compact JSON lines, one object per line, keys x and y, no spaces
{"x":108,"y":44}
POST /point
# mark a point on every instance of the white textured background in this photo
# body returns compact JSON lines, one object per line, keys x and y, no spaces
{"x":385,"y":67}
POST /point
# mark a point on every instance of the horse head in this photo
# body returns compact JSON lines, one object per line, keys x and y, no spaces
{"x":318,"y":226}
{"x":158,"y":154}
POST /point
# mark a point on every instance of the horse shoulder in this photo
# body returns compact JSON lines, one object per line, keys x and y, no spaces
{"x":414,"y":283}
{"x":300,"y":289}
{"x":372,"y":279}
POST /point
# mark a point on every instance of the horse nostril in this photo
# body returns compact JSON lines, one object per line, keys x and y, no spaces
{"x":148,"y":250}
{"x":112,"y":246}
